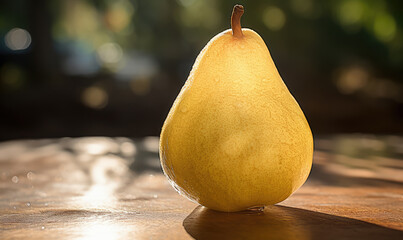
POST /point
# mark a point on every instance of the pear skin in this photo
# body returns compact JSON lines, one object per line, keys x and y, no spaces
{"x":235,"y":137}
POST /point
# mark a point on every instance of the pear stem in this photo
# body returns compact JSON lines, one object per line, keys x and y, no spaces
{"x":237,"y":13}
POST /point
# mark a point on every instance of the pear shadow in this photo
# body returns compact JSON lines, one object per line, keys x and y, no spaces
{"x":279,"y":222}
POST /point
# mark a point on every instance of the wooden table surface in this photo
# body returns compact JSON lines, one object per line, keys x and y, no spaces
{"x":113,"y":188}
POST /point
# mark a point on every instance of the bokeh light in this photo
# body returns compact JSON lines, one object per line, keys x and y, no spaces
{"x":140,"y":86}
{"x":12,"y":76}
{"x":352,"y":79}
{"x":118,"y":15}
{"x":199,"y":14}
{"x":95,"y":97}
{"x":18,"y":39}
{"x":351,"y":12}
{"x":110,"y":53}
{"x":274,"y":18}
{"x":384,"y":27}
{"x":78,"y":19}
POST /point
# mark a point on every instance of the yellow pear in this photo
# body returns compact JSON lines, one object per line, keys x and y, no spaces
{"x":235,"y":138}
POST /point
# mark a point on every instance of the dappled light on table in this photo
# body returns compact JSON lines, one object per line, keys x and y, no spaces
{"x":100,"y":229}
{"x":113,"y":188}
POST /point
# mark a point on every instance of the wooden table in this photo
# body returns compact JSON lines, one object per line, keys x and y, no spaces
{"x":113,"y":188}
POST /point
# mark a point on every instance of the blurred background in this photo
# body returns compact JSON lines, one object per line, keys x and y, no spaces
{"x":114,"y":67}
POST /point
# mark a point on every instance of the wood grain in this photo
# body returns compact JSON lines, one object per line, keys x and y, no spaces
{"x":113,"y":188}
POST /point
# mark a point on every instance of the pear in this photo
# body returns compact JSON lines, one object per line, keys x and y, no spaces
{"x":235,"y":138}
